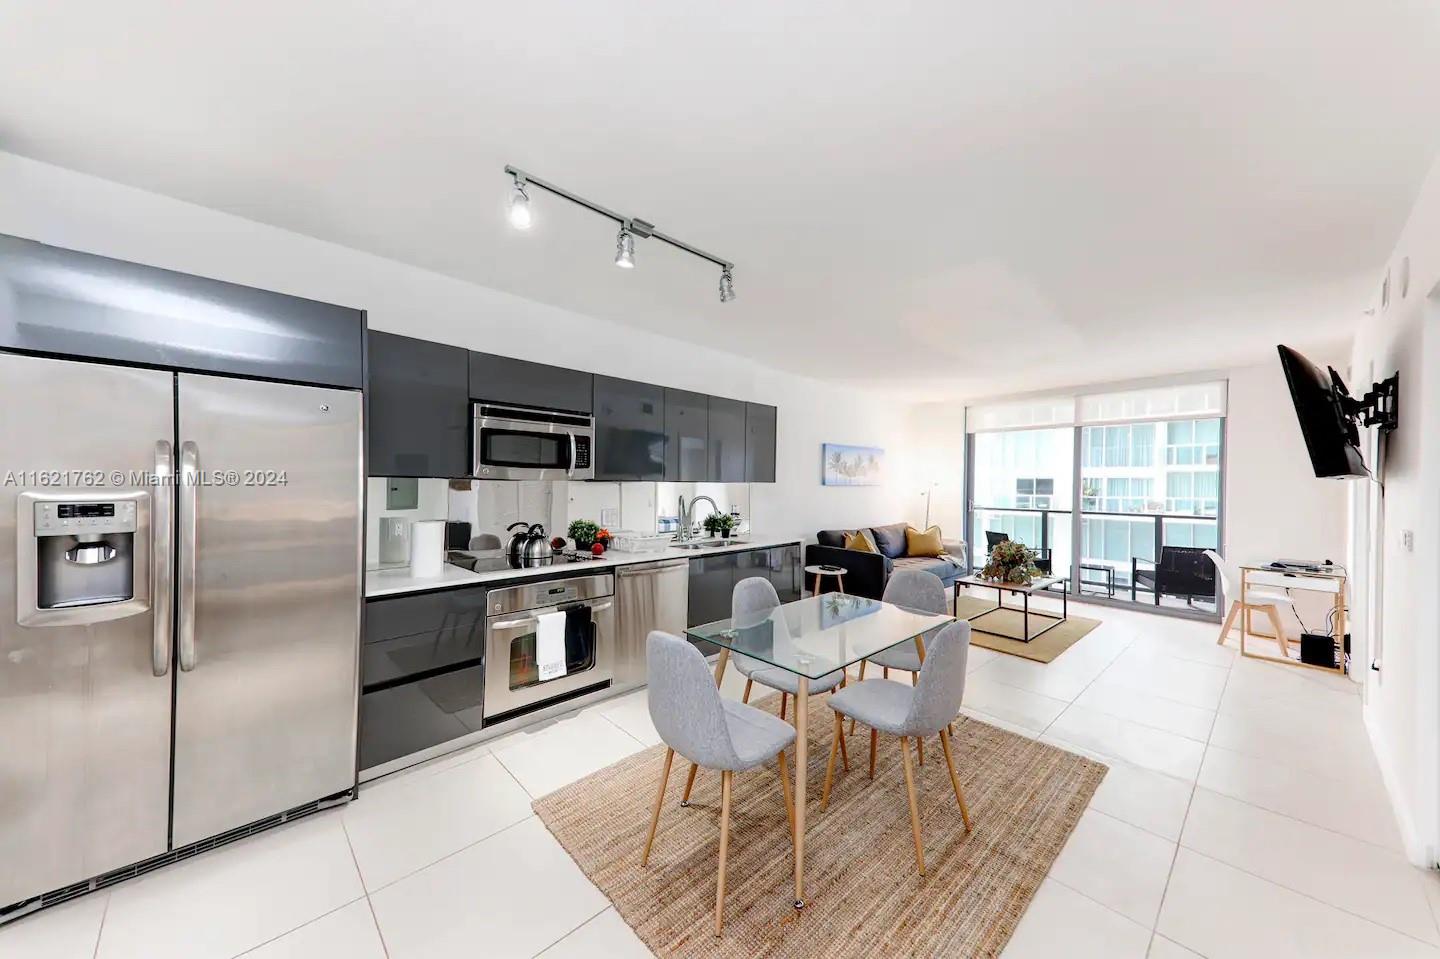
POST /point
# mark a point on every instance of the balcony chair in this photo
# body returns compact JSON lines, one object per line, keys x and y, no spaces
{"x":1183,"y":571}
{"x":1043,"y":562}
{"x":1258,"y":599}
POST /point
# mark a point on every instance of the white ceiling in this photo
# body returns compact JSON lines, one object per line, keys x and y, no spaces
{"x":953,"y":197}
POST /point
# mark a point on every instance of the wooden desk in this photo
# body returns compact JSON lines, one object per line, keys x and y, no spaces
{"x":1325,"y":582}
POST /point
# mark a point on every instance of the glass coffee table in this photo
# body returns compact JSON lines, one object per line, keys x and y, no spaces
{"x":1037,"y":585}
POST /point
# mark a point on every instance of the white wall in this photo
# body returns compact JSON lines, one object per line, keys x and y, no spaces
{"x":1402,"y":698}
{"x":67,"y":209}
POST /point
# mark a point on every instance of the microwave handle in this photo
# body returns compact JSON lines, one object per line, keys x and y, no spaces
{"x":574,"y":454}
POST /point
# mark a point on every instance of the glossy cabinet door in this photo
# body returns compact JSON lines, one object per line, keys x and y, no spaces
{"x":511,"y":382}
{"x":726,"y":441}
{"x":785,"y":571}
{"x":629,"y":430}
{"x":759,"y":443}
{"x":419,"y":408}
{"x":687,"y":436}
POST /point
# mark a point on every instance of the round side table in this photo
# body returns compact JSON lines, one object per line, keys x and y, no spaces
{"x":819,"y":572}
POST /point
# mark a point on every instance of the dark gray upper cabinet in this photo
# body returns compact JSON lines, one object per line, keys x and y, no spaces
{"x":66,"y":303}
{"x":629,"y":430}
{"x":759,"y":443}
{"x":419,"y":403}
{"x":512,"y":382}
{"x":726,"y":441}
{"x":687,"y":435}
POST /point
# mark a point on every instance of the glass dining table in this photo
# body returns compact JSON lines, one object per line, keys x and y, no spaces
{"x":810,"y":639}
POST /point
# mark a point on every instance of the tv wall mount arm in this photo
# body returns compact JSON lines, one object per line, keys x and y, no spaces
{"x":1378,"y":407}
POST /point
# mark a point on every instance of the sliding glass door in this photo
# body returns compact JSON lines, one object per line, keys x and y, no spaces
{"x":1023,"y":490}
{"x":1123,"y":499}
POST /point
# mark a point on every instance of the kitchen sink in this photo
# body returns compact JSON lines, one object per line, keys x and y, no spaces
{"x":709,"y":543}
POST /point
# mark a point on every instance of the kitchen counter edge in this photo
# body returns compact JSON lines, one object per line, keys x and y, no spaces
{"x":394,"y":582}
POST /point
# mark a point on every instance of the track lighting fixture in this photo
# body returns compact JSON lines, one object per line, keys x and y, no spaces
{"x":727,"y":286}
{"x":630,"y":227}
{"x":625,"y":249}
{"x":519,"y":204}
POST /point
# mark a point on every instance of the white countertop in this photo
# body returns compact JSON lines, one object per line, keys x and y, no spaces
{"x":396,"y":580}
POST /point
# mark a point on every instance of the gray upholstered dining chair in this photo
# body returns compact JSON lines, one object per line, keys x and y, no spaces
{"x":694,"y":721}
{"x":914,"y":589}
{"x":912,"y":712}
{"x":753,"y":599}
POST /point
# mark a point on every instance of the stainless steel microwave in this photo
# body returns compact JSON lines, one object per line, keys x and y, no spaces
{"x":518,"y":443}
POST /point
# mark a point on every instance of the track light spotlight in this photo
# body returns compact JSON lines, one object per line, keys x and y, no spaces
{"x":625,"y":249}
{"x":727,"y":286}
{"x":519,"y":205}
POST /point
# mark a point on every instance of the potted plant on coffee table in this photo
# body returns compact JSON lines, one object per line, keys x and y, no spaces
{"x":1011,"y":562}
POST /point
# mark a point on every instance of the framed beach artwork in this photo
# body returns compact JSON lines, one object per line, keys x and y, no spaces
{"x":850,"y":465}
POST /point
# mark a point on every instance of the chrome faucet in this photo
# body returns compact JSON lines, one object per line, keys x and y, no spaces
{"x":688,"y":523}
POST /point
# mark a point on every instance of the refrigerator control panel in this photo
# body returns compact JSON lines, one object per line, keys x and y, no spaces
{"x":73,"y":519}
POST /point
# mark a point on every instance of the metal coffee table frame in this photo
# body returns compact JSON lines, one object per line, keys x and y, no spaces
{"x":1000,"y":590}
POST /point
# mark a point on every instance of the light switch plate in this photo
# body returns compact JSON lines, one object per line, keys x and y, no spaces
{"x":609,"y":517}
{"x":1407,"y":537}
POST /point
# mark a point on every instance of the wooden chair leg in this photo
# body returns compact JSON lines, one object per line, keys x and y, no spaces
{"x":862,"y":679}
{"x":659,"y":801}
{"x":1229,"y":622}
{"x":785,"y":791}
{"x":748,"y":683}
{"x":954,"y":779}
{"x":914,"y":805}
{"x":689,"y":784}
{"x":884,"y":672}
{"x":830,"y":764}
{"x":1273,"y":615}
{"x":874,"y":739}
{"x":783,"y":698}
{"x":725,"y":778}
{"x":844,"y":749}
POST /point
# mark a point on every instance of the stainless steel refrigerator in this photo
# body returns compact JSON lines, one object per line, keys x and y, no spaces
{"x":180,"y":593}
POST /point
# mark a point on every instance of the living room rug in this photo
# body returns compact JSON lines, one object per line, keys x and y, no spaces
{"x":864,"y":896}
{"x":1010,"y":623}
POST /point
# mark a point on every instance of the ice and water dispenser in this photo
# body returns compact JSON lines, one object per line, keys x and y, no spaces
{"x":83,"y":557}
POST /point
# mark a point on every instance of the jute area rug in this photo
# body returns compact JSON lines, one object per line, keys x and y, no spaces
{"x":1009,"y":623}
{"x":864,"y":896}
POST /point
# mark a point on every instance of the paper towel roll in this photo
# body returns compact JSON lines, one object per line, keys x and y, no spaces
{"x":427,"y":547}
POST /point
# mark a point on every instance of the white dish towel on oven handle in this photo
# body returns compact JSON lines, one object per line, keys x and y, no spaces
{"x":550,"y":645}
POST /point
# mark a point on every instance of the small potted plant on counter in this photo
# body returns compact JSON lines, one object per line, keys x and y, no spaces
{"x":583,"y":532}
{"x":719,"y":524}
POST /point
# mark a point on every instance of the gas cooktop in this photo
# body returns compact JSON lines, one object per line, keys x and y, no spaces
{"x":491,"y":561}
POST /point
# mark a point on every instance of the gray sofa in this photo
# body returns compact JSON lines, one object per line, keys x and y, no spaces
{"x":867,"y":573}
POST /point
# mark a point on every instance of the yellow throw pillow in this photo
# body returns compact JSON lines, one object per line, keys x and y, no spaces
{"x":859,"y":541}
{"x":926,"y":543}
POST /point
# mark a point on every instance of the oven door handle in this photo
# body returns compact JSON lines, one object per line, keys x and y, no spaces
{"x":515,"y":623}
{"x":599,"y":607}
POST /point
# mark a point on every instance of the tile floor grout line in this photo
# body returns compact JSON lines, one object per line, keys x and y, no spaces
{"x":307,"y":922}
{"x":104,"y":911}
{"x":1110,"y":909}
{"x":1190,"y":802}
{"x":1396,"y":853}
{"x":454,"y":852}
{"x":1305,"y":895}
{"x":608,"y":906}
{"x":627,"y":732}
{"x":509,"y":772}
{"x":384,"y":947}
{"x":1087,"y":686}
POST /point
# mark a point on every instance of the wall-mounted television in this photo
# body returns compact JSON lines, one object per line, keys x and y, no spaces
{"x":1330,"y":418}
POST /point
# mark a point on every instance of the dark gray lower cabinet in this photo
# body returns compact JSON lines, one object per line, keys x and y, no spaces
{"x":713,"y":579}
{"x":419,"y":408}
{"x":422,"y":672}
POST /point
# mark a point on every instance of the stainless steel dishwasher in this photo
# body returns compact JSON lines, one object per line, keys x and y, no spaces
{"x":649,"y":596}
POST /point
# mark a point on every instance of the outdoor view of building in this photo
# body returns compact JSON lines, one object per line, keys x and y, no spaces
{"x":1141,"y":486}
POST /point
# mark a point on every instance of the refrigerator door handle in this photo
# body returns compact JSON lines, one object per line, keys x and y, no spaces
{"x":189,"y":520}
{"x":162,"y":533}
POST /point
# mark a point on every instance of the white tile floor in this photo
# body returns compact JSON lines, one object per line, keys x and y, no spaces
{"x":1242,"y":816}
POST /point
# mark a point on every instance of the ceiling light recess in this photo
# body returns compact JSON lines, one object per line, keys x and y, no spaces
{"x":630,"y":227}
